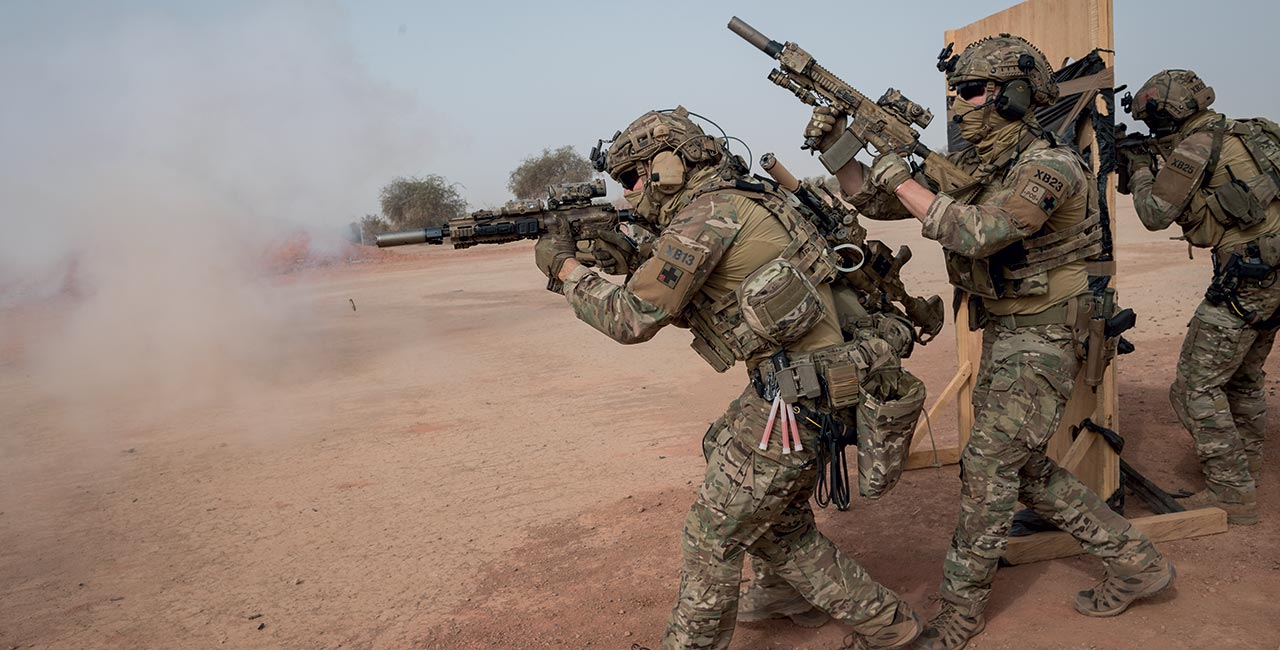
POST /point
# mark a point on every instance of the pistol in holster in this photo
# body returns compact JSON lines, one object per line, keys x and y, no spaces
{"x":1104,"y":340}
{"x":1225,"y":287}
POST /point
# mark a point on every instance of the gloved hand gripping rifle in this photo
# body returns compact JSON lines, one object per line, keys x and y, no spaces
{"x":1131,"y":149}
{"x":885,"y":124}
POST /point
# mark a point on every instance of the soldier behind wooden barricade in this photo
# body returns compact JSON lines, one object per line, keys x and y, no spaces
{"x":1018,"y":240}
{"x":1220,"y":182}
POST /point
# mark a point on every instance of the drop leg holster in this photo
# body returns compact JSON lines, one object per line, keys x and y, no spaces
{"x":1227,"y":276}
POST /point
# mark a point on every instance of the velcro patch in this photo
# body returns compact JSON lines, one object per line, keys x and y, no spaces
{"x":1182,"y":166}
{"x":678,"y":255}
{"x":670,"y":275}
{"x":1039,"y":196}
{"x":1049,"y":179}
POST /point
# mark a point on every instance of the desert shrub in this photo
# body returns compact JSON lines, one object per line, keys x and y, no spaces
{"x":421,"y":202}
{"x":564,"y":165}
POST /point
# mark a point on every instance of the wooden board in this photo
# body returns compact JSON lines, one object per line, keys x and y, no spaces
{"x":1064,"y":30}
{"x":925,"y":458}
{"x":1175,"y":525}
{"x":1060,"y":28}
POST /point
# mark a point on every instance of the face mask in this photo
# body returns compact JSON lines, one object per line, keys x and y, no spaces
{"x":639,"y":201}
{"x":974,"y":125}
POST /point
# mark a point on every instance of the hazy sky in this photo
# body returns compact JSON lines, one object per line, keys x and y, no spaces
{"x":489,"y":83}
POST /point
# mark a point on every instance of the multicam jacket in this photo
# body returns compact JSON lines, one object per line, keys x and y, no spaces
{"x":1044,"y":190}
{"x":1205,"y":162}
{"x":710,"y":246}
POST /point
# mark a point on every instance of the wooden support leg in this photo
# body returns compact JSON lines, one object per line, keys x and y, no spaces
{"x":923,"y":453}
{"x":1160,"y":528}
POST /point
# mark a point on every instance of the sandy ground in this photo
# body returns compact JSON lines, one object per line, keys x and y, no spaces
{"x":458,"y":463}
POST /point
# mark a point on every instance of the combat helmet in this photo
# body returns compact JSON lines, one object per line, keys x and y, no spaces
{"x":1023,"y":72}
{"x":668,"y":138}
{"x":1168,"y":99}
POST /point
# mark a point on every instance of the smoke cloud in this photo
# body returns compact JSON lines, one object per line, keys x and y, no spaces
{"x":148,"y":157}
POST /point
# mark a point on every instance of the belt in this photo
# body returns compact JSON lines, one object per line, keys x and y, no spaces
{"x":1064,"y":313}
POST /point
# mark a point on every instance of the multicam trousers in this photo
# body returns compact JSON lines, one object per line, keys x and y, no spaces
{"x":1218,"y":392}
{"x":757,"y":502}
{"x":1023,"y":383}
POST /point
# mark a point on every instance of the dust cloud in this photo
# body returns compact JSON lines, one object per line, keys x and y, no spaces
{"x":148,"y":160}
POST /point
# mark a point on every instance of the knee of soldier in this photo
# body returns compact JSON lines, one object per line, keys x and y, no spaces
{"x":989,"y":471}
{"x":699,"y":538}
{"x":1199,"y":406}
{"x":1037,"y":469}
{"x":1247,"y":383}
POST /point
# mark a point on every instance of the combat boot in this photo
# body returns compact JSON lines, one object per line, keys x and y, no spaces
{"x":761,"y":605}
{"x":1244,"y":513}
{"x":900,"y":632}
{"x":1115,"y":593}
{"x":950,"y":629}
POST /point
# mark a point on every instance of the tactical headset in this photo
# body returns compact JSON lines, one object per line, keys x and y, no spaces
{"x":668,"y":169}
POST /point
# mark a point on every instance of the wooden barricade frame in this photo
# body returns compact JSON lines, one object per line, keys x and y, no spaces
{"x":1063,"y":30}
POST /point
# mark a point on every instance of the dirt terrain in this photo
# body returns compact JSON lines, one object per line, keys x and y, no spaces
{"x":438,"y":455}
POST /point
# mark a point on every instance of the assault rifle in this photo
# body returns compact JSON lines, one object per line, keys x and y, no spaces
{"x":523,"y":219}
{"x":1127,"y":143}
{"x":870,"y":267}
{"x":885,"y":124}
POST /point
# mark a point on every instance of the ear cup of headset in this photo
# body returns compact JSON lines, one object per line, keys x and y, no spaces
{"x":1014,"y":99}
{"x":667,"y":172}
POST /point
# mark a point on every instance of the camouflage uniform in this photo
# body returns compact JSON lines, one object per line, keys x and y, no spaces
{"x":752,"y":501}
{"x":1026,"y":374}
{"x":1218,"y":393}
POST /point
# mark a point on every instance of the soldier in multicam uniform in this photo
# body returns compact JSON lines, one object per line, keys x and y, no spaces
{"x":1020,"y":244}
{"x":1219,"y":181}
{"x":737,"y":262}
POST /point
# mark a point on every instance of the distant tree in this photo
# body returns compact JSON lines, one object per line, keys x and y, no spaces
{"x":421,"y":202}
{"x":371,"y":225}
{"x":564,"y":165}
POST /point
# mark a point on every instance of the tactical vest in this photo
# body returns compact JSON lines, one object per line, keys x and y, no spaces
{"x":1022,"y":268}
{"x":721,"y":334}
{"x":1242,"y":202}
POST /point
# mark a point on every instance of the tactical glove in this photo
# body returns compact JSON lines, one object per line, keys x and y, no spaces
{"x":1130,"y":160}
{"x":554,"y":247}
{"x":825,"y":126}
{"x":889,"y":171}
{"x":614,"y":253}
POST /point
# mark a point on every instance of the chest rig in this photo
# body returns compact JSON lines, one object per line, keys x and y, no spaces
{"x":721,"y":333}
{"x":1242,"y":202}
{"x":1022,"y":268}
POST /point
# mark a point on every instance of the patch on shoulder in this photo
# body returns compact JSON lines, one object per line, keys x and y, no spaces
{"x":670,"y":275}
{"x":1040,"y":196}
{"x":1182,"y":166}
{"x":679,"y":254}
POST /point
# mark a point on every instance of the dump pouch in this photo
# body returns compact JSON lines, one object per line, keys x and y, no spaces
{"x":891,"y":404}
